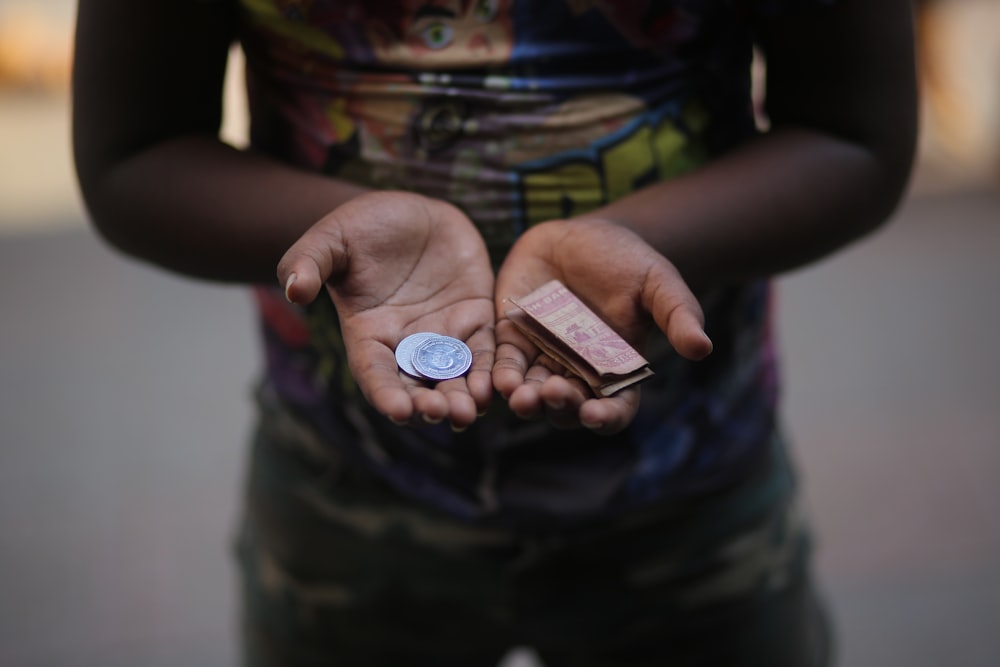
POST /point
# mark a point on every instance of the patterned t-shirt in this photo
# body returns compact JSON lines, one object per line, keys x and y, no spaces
{"x":518,"y":111}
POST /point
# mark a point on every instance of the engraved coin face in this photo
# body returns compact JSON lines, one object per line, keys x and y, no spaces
{"x":404,"y":351}
{"x":441,"y":358}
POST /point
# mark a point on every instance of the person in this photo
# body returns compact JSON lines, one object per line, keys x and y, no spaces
{"x":414,"y":165}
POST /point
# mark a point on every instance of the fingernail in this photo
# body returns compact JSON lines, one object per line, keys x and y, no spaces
{"x":398,"y":422}
{"x":458,"y":429}
{"x":704,"y":348}
{"x":288,"y":286}
{"x":556,"y":405}
{"x":431,"y":420}
{"x":593,"y":426}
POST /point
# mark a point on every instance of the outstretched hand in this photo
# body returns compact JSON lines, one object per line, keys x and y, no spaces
{"x":394,"y":264}
{"x":625,"y":281}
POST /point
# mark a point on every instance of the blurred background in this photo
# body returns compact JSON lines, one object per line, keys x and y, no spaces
{"x":124,"y":395}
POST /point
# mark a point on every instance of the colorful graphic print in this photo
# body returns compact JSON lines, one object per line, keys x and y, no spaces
{"x":518,"y":112}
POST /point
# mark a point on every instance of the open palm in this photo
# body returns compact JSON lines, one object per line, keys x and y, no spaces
{"x":398,"y":263}
{"x":625,"y":281}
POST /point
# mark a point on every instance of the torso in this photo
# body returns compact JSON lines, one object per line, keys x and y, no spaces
{"x":517,"y":112}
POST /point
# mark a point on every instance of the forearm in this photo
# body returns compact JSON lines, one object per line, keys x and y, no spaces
{"x":779,"y":202}
{"x":147,"y":105}
{"x":841,"y":97}
{"x":199,"y":207}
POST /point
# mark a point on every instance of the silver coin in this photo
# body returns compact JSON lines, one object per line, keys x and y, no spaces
{"x":441,"y":358}
{"x":404,"y":352}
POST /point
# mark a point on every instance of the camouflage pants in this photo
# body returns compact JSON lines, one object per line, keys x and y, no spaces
{"x":338,"y":570}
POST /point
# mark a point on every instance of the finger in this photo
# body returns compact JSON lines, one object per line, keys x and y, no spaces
{"x":318,"y":256}
{"x":610,"y":415}
{"x":462,"y":399}
{"x":514,"y":356}
{"x":687,"y":335}
{"x":563,"y":397}
{"x":462,"y":410}
{"x":479,"y":380}
{"x":429,"y":404}
{"x":509,"y":369}
{"x":676,"y":311}
{"x":375,"y":370}
{"x":526,"y":400}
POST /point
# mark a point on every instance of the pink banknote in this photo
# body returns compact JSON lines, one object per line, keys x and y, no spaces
{"x":569,"y":332}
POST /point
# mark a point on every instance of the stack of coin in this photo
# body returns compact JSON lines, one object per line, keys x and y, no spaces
{"x":431,"y":356}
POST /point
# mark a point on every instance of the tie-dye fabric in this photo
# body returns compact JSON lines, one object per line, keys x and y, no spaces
{"x":518,"y":112}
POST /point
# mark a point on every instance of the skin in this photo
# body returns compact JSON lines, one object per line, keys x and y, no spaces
{"x":161,"y":186}
{"x":394,"y":264}
{"x":626,"y":282}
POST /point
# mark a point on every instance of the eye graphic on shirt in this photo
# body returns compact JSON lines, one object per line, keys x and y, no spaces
{"x":441,"y":33}
{"x":486,"y":10}
{"x":437,"y":35}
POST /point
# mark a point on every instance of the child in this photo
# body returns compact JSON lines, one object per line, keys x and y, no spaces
{"x":414,"y":164}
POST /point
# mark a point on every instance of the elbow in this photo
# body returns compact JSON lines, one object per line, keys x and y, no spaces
{"x":110,"y":205}
{"x":894,"y":150}
{"x":894,"y":156}
{"x":878,"y":162}
{"x":93,"y":171}
{"x":99,"y":206}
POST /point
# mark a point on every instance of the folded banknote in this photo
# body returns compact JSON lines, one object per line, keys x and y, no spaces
{"x":571,"y":334}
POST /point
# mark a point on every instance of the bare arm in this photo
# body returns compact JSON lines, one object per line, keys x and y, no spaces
{"x":842,"y":103}
{"x":159,"y":184}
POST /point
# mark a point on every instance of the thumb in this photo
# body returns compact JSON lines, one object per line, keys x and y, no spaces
{"x":676,"y":311}
{"x":320,"y":255}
